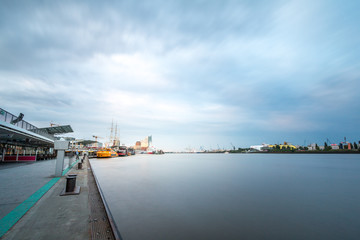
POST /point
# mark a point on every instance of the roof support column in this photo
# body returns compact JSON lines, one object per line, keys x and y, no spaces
{"x":60,"y":146}
{"x":3,"y":154}
{"x":59,"y":163}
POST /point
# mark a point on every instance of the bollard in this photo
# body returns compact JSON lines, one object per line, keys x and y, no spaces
{"x":80,"y":165}
{"x":71,"y":188}
{"x":70,"y":183}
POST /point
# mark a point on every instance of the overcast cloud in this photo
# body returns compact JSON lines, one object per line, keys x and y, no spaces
{"x":190,"y":73}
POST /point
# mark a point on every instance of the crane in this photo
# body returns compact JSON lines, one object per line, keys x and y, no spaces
{"x":54,"y":124}
{"x":96,"y":137}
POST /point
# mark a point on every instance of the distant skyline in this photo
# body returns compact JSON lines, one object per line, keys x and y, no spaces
{"x":189,"y":73}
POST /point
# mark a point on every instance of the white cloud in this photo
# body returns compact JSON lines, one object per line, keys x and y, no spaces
{"x":126,"y":70}
{"x":179,"y":68}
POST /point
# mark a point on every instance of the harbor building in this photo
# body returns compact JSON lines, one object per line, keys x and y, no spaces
{"x":137,"y":145}
{"x":21,"y":141}
{"x":266,"y":147}
{"x":334,"y":146}
{"x":286,"y":145}
{"x":261,"y":147}
{"x":145,"y":143}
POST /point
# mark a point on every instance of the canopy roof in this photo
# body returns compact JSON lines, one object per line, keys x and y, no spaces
{"x":58,"y":129}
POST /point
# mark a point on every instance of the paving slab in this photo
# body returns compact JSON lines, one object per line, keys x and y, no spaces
{"x":65,"y":217}
{"x":18,"y":181}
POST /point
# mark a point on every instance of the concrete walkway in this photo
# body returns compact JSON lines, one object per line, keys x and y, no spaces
{"x":65,"y":217}
{"x":18,"y":181}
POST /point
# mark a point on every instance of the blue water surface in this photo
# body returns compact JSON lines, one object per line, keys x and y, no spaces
{"x":233,"y":196}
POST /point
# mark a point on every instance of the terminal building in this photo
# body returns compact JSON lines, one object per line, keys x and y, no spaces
{"x":144,"y":144}
{"x":21,"y":141}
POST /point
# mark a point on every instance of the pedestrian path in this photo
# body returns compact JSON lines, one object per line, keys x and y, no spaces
{"x":53,"y":216}
{"x":21,"y":186}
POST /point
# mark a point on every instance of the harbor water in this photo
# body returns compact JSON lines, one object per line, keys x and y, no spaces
{"x":233,"y":196}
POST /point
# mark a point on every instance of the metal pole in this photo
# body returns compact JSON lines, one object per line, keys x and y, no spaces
{"x":17,"y":155}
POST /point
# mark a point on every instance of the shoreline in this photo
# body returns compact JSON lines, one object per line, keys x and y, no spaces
{"x":304,"y":152}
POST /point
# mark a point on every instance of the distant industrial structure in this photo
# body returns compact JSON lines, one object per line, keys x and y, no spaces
{"x":266,"y":147}
{"x":311,"y":147}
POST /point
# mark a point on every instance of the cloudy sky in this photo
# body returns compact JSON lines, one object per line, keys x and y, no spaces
{"x":189,"y":73}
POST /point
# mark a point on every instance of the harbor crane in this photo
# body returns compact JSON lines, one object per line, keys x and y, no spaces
{"x":54,"y":124}
{"x":96,"y":138}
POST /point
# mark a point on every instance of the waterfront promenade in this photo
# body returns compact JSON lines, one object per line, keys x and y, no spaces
{"x":33,"y":187}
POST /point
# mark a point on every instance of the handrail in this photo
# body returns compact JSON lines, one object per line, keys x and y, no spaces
{"x":5,"y":116}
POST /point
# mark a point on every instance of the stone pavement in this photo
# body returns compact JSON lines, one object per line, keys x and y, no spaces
{"x":80,"y":216}
{"x":18,"y":181}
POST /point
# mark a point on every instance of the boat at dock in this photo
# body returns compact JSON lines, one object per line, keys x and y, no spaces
{"x":106,"y":153}
{"x":122,"y":153}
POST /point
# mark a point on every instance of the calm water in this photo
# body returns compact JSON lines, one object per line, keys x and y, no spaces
{"x":233,"y":196}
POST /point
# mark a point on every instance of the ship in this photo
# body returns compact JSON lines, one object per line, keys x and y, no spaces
{"x":122,"y":152}
{"x":106,"y":153}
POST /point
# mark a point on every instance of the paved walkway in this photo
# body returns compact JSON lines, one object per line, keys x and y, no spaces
{"x":18,"y":181}
{"x":64,"y":217}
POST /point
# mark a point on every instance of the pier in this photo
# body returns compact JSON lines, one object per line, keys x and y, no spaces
{"x":47,"y":215}
{"x":35,"y":200}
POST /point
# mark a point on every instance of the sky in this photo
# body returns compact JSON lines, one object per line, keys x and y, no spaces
{"x":210,"y":74}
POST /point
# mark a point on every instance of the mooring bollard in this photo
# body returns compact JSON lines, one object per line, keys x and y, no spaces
{"x":71,"y":188}
{"x":70,"y":183}
{"x":80,"y":165}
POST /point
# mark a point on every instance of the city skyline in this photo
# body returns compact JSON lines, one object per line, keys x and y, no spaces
{"x":190,"y":74}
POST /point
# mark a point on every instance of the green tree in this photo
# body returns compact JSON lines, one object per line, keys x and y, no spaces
{"x":355,"y":145}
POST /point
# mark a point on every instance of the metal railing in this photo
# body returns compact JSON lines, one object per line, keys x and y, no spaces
{"x":5,"y":116}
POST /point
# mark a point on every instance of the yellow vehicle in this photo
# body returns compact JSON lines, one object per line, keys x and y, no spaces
{"x":106,"y":153}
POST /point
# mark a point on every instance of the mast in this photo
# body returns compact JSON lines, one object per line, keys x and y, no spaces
{"x":111,"y":132}
{"x":115,"y":136}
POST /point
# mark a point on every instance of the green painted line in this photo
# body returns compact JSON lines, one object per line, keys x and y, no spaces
{"x":66,"y":170}
{"x":11,"y":218}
